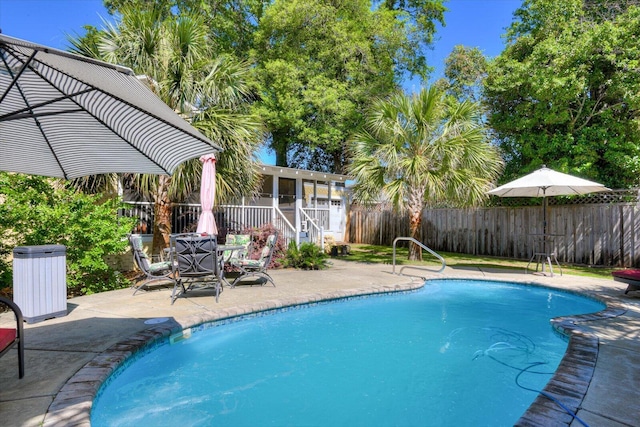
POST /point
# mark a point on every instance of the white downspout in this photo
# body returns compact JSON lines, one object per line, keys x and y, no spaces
{"x":274,"y":199}
{"x":298,"y":209}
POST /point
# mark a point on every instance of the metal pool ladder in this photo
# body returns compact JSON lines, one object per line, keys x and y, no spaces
{"x":411,"y":239}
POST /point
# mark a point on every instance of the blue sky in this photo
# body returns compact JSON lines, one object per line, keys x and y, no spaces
{"x":473,"y":23}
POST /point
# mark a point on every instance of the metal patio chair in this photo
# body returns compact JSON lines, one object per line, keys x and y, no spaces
{"x":256,"y":267}
{"x":237,"y":254}
{"x":196,"y":264}
{"x":153,"y":271}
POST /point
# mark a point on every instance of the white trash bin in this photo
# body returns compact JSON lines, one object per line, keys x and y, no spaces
{"x":40,"y":281}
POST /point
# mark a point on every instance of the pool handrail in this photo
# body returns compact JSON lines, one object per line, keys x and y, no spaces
{"x":411,"y":239}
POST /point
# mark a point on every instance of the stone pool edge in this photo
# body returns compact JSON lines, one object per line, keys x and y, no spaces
{"x":571,"y":380}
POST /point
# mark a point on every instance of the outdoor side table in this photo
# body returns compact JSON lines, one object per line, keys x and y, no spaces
{"x":542,"y":254}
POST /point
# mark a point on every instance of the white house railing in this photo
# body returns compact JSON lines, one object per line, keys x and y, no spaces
{"x":310,"y":226}
{"x":284,"y":226}
{"x":229,"y":218}
{"x":319,"y":216}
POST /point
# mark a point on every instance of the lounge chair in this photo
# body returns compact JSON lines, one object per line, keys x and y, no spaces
{"x":256,"y":267}
{"x":153,"y":271}
{"x":195,"y":263}
{"x":630,"y":277}
{"x":10,"y":337}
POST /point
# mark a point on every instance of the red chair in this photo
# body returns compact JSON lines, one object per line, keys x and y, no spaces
{"x":630,"y":277}
{"x":10,"y":337}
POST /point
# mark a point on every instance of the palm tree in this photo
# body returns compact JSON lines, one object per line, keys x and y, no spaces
{"x":421,"y":150}
{"x":174,"y":52}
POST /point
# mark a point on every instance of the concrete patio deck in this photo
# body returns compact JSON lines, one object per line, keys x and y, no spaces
{"x":67,"y":357}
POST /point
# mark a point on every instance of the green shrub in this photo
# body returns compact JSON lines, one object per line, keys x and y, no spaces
{"x":308,"y":257}
{"x":259,"y":237}
{"x":36,"y":211}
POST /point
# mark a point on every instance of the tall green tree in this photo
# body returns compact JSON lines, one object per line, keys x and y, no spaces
{"x":210,"y":91}
{"x":566,"y":92}
{"x":423,"y":150}
{"x":417,"y":19}
{"x":604,"y":10}
{"x":464,"y":71}
{"x":230,"y":23}
{"x":319,"y":63}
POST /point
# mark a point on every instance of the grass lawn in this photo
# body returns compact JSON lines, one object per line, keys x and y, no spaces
{"x":384,"y":255}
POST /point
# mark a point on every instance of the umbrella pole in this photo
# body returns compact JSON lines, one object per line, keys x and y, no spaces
{"x":544,"y":223}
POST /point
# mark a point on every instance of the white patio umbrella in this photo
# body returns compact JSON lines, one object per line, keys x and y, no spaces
{"x":67,"y":116}
{"x":207,"y":222}
{"x":546,"y":182}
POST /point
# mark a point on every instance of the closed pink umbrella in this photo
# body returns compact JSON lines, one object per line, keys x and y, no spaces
{"x":207,"y":222}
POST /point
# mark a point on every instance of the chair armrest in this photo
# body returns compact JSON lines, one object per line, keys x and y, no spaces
{"x":14,"y":307}
{"x":19,"y":337}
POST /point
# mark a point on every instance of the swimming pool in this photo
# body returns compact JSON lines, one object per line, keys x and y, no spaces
{"x":453,"y":353}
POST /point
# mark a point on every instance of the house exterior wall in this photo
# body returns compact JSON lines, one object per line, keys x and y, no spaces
{"x":320,"y":199}
{"x":319,"y":206}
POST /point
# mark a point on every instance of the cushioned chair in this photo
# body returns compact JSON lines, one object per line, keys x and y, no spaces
{"x":154,"y":272}
{"x":12,"y":337}
{"x":256,"y":267}
{"x":630,"y":277}
{"x":195,"y":263}
{"x":237,"y":254}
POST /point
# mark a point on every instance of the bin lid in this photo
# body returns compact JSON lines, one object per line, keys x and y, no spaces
{"x":48,"y":250}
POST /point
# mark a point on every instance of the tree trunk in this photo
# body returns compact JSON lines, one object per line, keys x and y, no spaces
{"x":280,"y":146}
{"x":162,"y":213}
{"x":415,"y":208}
{"x":415,"y":223}
{"x":281,"y":158}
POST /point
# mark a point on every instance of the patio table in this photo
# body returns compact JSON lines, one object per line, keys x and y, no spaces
{"x":542,"y":254}
{"x":166,"y":252}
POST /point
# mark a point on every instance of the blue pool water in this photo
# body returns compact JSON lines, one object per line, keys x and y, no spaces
{"x":446,"y":355}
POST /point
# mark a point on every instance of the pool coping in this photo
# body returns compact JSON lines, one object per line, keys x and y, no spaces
{"x":571,"y":381}
{"x":73,"y":402}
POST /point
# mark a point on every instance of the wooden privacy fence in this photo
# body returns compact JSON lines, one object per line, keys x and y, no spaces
{"x":588,"y":234}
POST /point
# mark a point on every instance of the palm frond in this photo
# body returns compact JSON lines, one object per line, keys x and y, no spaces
{"x":423,"y":144}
